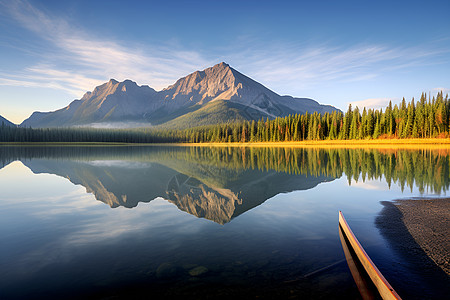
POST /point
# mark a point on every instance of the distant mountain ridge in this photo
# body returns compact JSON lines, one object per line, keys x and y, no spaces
{"x":214,"y":95}
{"x":5,"y":122}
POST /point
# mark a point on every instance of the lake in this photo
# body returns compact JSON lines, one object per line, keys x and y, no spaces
{"x":201,"y":222}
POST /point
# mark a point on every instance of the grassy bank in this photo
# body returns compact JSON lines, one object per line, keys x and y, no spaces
{"x":434,"y":143}
{"x":378,"y":143}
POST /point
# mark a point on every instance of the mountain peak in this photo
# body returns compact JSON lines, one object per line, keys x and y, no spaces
{"x":219,"y":68}
{"x":222,"y":65}
{"x":202,"y":86}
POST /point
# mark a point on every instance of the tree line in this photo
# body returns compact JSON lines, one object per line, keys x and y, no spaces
{"x":428,"y":118}
{"x":424,"y":119}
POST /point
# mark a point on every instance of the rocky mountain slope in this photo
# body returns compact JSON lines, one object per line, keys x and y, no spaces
{"x":5,"y":122}
{"x":109,"y":102}
{"x":190,"y":101}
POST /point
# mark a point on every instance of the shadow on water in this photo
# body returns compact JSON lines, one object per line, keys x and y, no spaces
{"x":418,"y":266}
{"x":366,"y":288}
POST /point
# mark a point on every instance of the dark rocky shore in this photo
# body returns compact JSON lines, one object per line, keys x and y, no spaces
{"x":427,"y":222}
{"x":418,"y":231}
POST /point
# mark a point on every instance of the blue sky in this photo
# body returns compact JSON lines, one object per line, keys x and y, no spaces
{"x":336,"y":52}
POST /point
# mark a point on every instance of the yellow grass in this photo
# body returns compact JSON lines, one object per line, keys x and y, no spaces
{"x":383,"y":144}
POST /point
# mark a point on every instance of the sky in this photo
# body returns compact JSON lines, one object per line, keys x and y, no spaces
{"x":336,"y":52}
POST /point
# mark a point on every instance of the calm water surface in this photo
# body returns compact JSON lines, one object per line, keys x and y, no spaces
{"x":191,"y":222}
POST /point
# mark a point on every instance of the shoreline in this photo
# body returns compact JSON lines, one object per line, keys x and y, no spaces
{"x":380,"y":144}
{"x":370,"y":144}
{"x":419,"y":228}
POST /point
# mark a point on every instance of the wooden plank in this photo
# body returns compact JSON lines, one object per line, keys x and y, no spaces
{"x":384,"y":288}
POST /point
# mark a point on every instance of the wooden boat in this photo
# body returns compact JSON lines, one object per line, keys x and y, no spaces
{"x":384,"y":288}
{"x":363,"y":282}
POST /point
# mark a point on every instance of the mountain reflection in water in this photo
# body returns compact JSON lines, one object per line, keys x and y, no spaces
{"x":221,"y":183}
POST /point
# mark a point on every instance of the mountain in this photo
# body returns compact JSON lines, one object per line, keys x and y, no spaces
{"x":5,"y":122}
{"x":216,"y":94}
{"x":219,"y":111}
{"x":110,"y":102}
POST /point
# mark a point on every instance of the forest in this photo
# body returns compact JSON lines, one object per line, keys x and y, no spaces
{"x":426,"y":118}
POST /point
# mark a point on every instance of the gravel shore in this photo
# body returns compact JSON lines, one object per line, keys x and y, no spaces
{"x":428,"y":223}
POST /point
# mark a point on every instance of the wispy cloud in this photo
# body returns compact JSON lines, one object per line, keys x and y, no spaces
{"x":441,"y":89}
{"x":81,"y":61}
{"x":306,"y":66}
{"x":50,"y":77}
{"x":374,"y":103}
{"x":76,"y":61}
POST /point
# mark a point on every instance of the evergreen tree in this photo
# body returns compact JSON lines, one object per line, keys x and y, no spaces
{"x":376,"y":132}
{"x":333,"y":126}
{"x":252,"y":131}
{"x":354,"y":127}
{"x":347,"y":123}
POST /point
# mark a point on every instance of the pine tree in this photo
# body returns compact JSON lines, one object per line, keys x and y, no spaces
{"x":333,"y":126}
{"x":354,"y":127}
{"x":441,"y":118}
{"x":389,"y":119}
{"x":407,"y":132}
{"x":362,"y":132}
{"x":415,"y":131}
{"x":252,"y":131}
{"x":347,"y":123}
{"x":369,"y":123}
{"x":376,"y":132}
